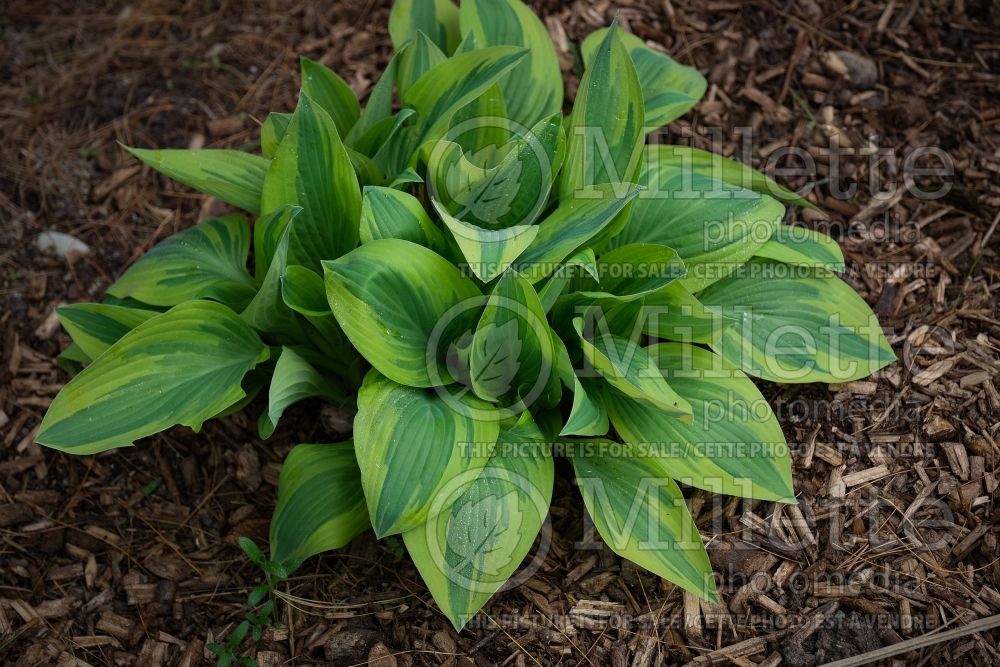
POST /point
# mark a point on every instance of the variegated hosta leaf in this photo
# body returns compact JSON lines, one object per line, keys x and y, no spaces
{"x":72,"y":359}
{"x":271,"y":133}
{"x":673,"y":313}
{"x":305,"y":293}
{"x":792,"y":326}
{"x":641,"y":514}
{"x":95,"y":327}
{"x":452,"y":173}
{"x":268,"y":231}
{"x":482,"y":124}
{"x":732,"y":445}
{"x":724,"y":171}
{"x":450,"y":85}
{"x":387,"y":213}
{"x":533,"y":89}
{"x":438,"y":19}
{"x":555,"y":285}
{"x":367,"y":171}
{"x":321,"y":505}
{"x":404,"y":178}
{"x":267,"y":311}
{"x":416,"y":60}
{"x":379,"y":104}
{"x":401,"y":305}
{"x":235,"y":177}
{"x":312,"y":170}
{"x":803,"y":247}
{"x":488,"y":252}
{"x":181,"y":367}
{"x":605,"y":134}
{"x":629,"y":272}
{"x":669,"y":89}
{"x":331,"y":93}
{"x":510,"y":187}
{"x":512,"y":349}
{"x":482,"y":533}
{"x":588,"y":416}
{"x":628,"y":368}
{"x":568,"y":228}
{"x":207,"y":261}
{"x":294,"y":380}
{"x":411,"y":444}
{"x":391,"y":142}
{"x":713,"y":229}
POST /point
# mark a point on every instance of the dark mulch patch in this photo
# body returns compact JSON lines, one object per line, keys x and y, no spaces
{"x":129,"y":557}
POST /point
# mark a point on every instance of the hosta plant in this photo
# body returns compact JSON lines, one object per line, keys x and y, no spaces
{"x":488,"y":286}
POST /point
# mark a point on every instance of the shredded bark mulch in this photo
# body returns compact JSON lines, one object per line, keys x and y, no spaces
{"x":129,"y":557}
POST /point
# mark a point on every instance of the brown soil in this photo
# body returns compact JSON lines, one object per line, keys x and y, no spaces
{"x":129,"y":557}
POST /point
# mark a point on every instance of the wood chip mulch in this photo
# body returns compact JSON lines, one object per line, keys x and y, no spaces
{"x":128,"y":558}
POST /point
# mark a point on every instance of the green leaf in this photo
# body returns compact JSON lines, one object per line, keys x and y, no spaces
{"x":331,"y":93}
{"x":267,"y":311}
{"x":801,"y":328}
{"x":272,"y":131}
{"x":320,"y":506}
{"x":568,"y":228}
{"x":294,"y":380}
{"x":387,"y":213}
{"x":438,"y":19}
{"x":411,"y":446}
{"x":380,"y":99}
{"x":632,"y":271}
{"x":588,"y":416}
{"x":268,"y":231}
{"x":480,"y":536}
{"x":95,"y":327}
{"x":312,"y":170}
{"x":207,"y":261}
{"x":560,"y":280}
{"x":482,"y":125}
{"x":803,"y":247}
{"x":450,"y":85}
{"x":641,"y":515}
{"x":367,"y":171}
{"x":257,"y":595}
{"x":605,"y":134}
{"x":732,"y":445}
{"x":488,"y":252}
{"x":669,"y":89}
{"x":181,"y":367}
{"x":396,"y":148}
{"x":512,"y":349}
{"x":628,"y":367}
{"x":392,"y":298}
{"x":416,"y":60}
{"x":405,"y":178}
{"x":235,"y":177}
{"x":533,"y":89}
{"x":713,"y":229}
{"x":72,"y":359}
{"x":252,"y":551}
{"x":673,"y":313}
{"x":305,"y":293}
{"x":725,"y":172}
